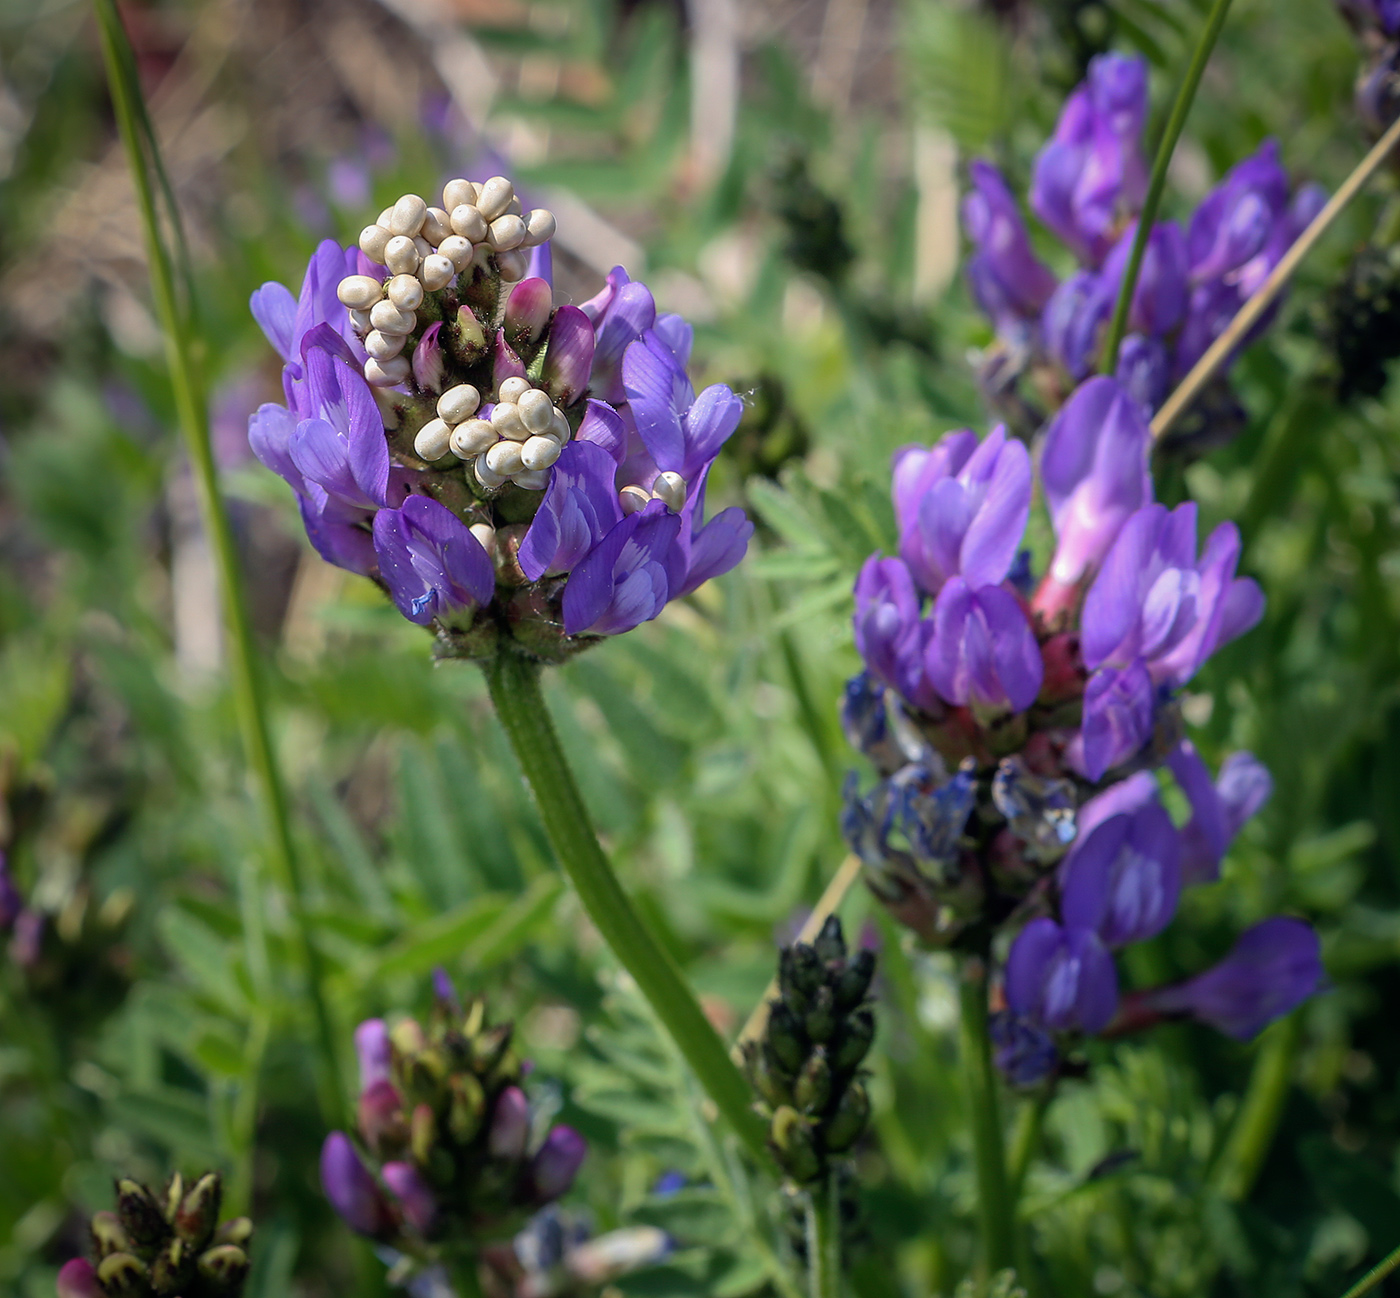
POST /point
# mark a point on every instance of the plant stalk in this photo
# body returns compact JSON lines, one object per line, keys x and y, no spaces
{"x":515,"y":689}
{"x":1374,"y":1276}
{"x":180,"y":330}
{"x":1253,"y":1130}
{"x":1030,"y":1121}
{"x":1148,"y":216}
{"x":994,"y":1208}
{"x":824,"y":1239}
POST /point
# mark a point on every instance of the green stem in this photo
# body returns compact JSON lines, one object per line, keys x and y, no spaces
{"x":1258,"y":1118}
{"x":975,"y":1044}
{"x":824,"y":1239}
{"x":1374,"y":1276}
{"x":515,"y":690}
{"x":1148,"y":216}
{"x":1030,"y":1121}
{"x":178,"y":326}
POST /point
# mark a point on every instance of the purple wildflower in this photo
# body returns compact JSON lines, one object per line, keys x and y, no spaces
{"x":627,"y":578}
{"x":432,"y":564}
{"x":890,"y":630}
{"x":1092,"y":170}
{"x":1219,"y":808}
{"x":557,"y":1162}
{"x":1011,"y":283}
{"x":416,"y":1199}
{"x":1119,"y":707}
{"x":1235,"y":220}
{"x":352,"y":1191}
{"x":1024,"y":1053}
{"x":1061,"y":978}
{"x":510,"y":1124}
{"x":982,"y":651}
{"x":1273,"y":968}
{"x":969,"y":504}
{"x":372,"y":1048}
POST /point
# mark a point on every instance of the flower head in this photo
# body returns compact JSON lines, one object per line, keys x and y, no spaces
{"x":1061,"y":978}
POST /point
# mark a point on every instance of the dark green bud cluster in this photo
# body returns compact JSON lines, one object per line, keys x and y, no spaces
{"x":1361,"y":323}
{"x":806,"y":1065}
{"x":170,"y":1244}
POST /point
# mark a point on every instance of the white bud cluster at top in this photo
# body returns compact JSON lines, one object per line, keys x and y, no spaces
{"x":425,"y":249}
{"x":518,"y":443}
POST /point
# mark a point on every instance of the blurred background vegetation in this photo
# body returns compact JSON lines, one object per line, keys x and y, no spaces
{"x":786,"y":173}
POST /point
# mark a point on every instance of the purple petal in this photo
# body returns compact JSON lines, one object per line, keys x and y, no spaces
{"x":603,"y":426}
{"x":557,"y":1163}
{"x":414,"y":1195}
{"x":710,"y":423}
{"x":372,"y":1047}
{"x":76,"y":1278}
{"x":658,"y":393}
{"x":352,"y":1191}
{"x":578,"y":511}
{"x":275,"y":309}
{"x":1244,"y":786}
{"x":716,"y":548}
{"x":270,"y":432}
{"x":510,"y":1125}
{"x":631,"y":312}
{"x":1016,"y":655}
{"x":569,"y":360}
{"x":527,"y":311}
{"x":1118,"y":717}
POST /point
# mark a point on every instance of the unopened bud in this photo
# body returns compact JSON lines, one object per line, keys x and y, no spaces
{"x":109,"y":1235}
{"x":198,"y":1212}
{"x":557,"y":1163}
{"x":796,"y":1149}
{"x":785,"y":1038}
{"x":429,"y":364}
{"x":225,"y":1268}
{"x":471,"y":337}
{"x":122,"y":1274}
{"x":415,"y":1197}
{"x":490,"y":1044}
{"x":820,"y":1020}
{"x":854,"y":981}
{"x":854,"y":1040}
{"x":407,"y":1037}
{"x":510,"y":1124}
{"x":381,"y":1117}
{"x":236,"y":1230}
{"x":766,"y":1078}
{"x":422,"y":1129}
{"x":140,"y":1213}
{"x":77,"y":1279}
{"x":831,"y":943}
{"x":569,"y":361}
{"x":174,"y":1192}
{"x":800,"y":974}
{"x":847,"y":1123}
{"x":527,"y":312}
{"x":467,"y":1107}
{"x":172,"y":1267}
{"x":813,"y":1090}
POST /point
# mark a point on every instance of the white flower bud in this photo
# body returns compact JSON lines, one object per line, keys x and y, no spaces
{"x":384,"y":218}
{"x":670,"y":487}
{"x":536,"y":410}
{"x":400,"y":256}
{"x":512,"y":389}
{"x":505,"y":419}
{"x":471,"y":438}
{"x":359,"y":292}
{"x":388,"y":319}
{"x":559,"y":429}
{"x":459,"y":403}
{"x":467,"y":221}
{"x":407,"y":215}
{"x":361,"y":321}
{"x":386,"y":374}
{"x":506,"y":232}
{"x":383,"y":347}
{"x":437,"y":225}
{"x":457,"y":192}
{"x":532,"y":479}
{"x":487,"y":476}
{"x":634,"y":499}
{"x":486,"y":536}
{"x":405,"y":292}
{"x":437,"y":272}
{"x":422,"y":247}
{"x":431,"y":441}
{"x":540,"y":226}
{"x":373,"y":240}
{"x":504,"y":458}
{"x":539,"y":452}
{"x":458,"y":250}
{"x":494,"y":197}
{"x":512,"y":265}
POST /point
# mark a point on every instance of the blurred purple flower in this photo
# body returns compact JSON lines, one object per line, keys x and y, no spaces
{"x":966,"y":507}
{"x":372,"y":1048}
{"x":1010,"y":282}
{"x":1024,"y":1053}
{"x":1122,"y":877}
{"x":891,"y":632}
{"x":1219,"y":808}
{"x":1061,"y":978}
{"x":351,"y":1189}
{"x":1092,"y":171}
{"x":1235,"y":220}
{"x":1119,"y":708}
{"x":77,"y":1279}
{"x":1144,"y":370}
{"x":557,"y":1162}
{"x":510,"y":1124}
{"x":415,"y":1197}
{"x":1273,"y":968}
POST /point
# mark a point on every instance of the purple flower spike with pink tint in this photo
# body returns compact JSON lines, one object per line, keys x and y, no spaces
{"x":569,"y":360}
{"x":352,"y":1191}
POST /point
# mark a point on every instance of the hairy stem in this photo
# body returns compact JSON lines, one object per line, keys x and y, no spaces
{"x":1148,"y":216}
{"x":994,"y":1207}
{"x":1374,"y":1276}
{"x":178,"y":325}
{"x":515,"y":690}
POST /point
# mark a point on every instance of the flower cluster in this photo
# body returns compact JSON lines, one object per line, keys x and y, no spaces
{"x":1016,"y":726}
{"x":460,"y":1156}
{"x":169,"y":1245}
{"x":805,"y":1065}
{"x":581,"y":509}
{"x":1087,"y":189}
